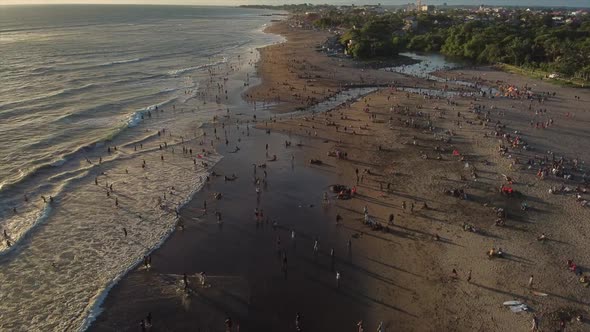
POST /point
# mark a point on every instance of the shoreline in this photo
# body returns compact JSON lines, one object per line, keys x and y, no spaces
{"x":402,"y":275}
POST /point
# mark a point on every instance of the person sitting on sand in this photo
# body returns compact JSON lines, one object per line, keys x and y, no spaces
{"x":492,"y":253}
{"x":467,"y":227}
{"x":542,"y":237}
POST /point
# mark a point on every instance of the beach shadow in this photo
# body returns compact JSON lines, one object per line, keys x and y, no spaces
{"x":495,"y":290}
{"x":357,"y":296}
{"x":392,"y":267}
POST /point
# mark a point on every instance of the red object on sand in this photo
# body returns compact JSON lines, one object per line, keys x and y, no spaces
{"x":456,"y":153}
{"x":199,"y":156}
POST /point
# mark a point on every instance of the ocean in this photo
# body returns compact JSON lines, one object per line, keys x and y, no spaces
{"x":100,"y":96}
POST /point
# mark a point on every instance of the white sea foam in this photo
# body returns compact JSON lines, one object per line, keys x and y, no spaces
{"x":189,"y":69}
{"x":119,"y":62}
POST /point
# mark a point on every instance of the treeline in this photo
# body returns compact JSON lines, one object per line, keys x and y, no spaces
{"x":520,"y":38}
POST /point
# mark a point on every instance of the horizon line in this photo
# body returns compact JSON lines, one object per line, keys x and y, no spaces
{"x":270,"y":5}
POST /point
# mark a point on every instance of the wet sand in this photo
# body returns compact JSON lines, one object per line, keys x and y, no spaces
{"x":240,"y":258}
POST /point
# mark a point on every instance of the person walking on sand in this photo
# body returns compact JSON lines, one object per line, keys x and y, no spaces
{"x":337,"y":279}
{"x":332,"y":258}
{"x":338,"y":219}
{"x":316,"y":247}
{"x":279,"y":246}
{"x":390,"y":220}
{"x":469,"y":276}
{"x":284,"y":265}
{"x":228,"y":324}
{"x":125,"y":231}
{"x":360,"y":326}
{"x":298,"y":327}
{"x":531,"y":281}
{"x":535,"y":323}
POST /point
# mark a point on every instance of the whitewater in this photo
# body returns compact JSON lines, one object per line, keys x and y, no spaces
{"x":101,"y":117}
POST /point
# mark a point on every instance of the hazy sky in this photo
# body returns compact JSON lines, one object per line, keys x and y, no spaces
{"x":572,"y":3}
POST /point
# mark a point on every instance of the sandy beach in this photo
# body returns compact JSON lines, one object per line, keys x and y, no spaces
{"x":436,"y":164}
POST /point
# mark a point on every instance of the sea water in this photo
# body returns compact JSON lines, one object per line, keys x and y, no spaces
{"x":76,"y":82}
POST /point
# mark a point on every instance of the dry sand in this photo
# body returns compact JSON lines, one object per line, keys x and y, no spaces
{"x":432,"y":299}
